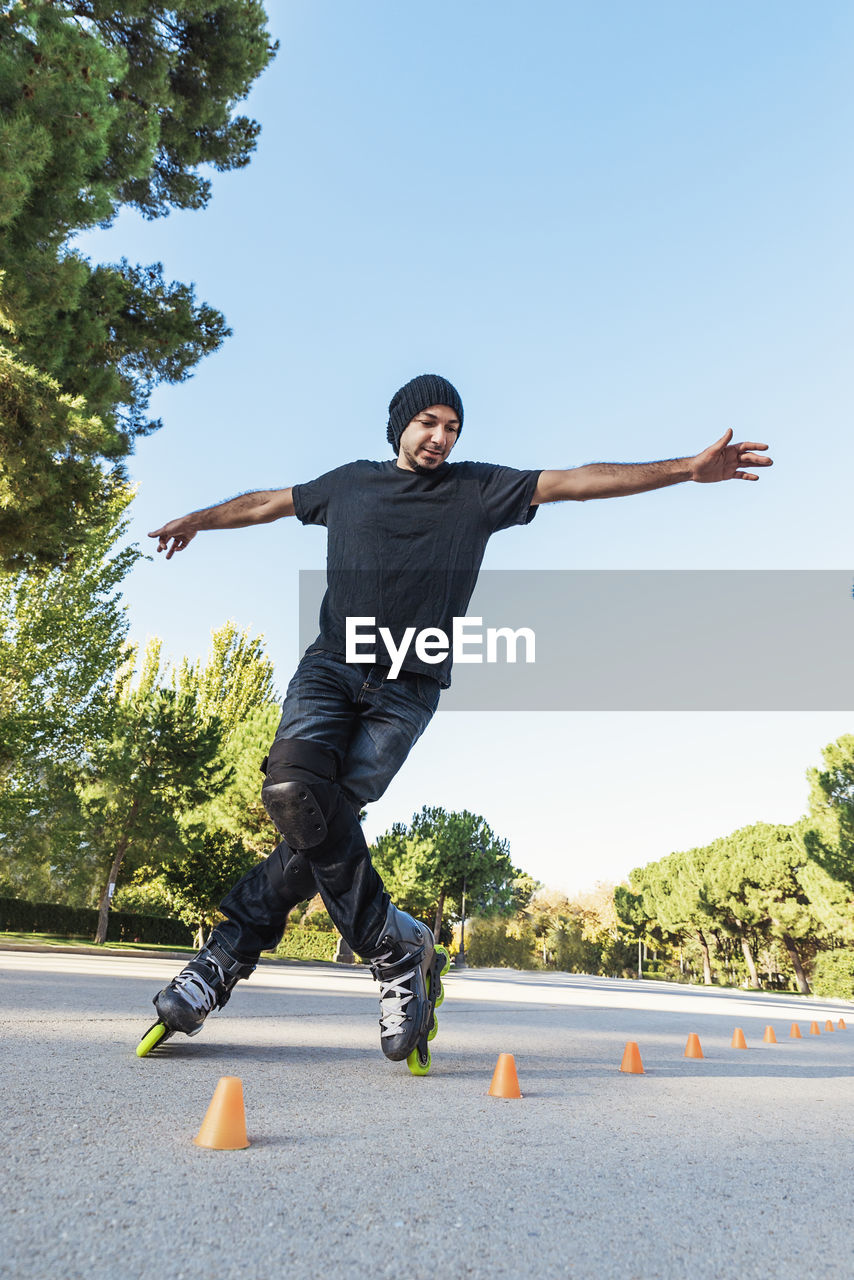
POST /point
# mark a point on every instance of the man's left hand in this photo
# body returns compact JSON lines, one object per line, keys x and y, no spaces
{"x":724,"y":461}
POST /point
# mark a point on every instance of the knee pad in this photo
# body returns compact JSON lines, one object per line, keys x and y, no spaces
{"x":300,"y":792}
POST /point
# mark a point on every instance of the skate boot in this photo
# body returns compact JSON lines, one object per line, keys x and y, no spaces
{"x":205,"y":984}
{"x":409,"y":968}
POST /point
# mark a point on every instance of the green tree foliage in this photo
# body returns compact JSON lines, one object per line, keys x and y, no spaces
{"x":552,"y":931}
{"x":827,"y":838}
{"x":441,"y":856}
{"x":103,"y":105}
{"x":490,"y":945}
{"x":234,"y":686}
{"x":524,"y":888}
{"x":109,"y":757}
{"x":770,"y":861}
{"x":197,"y":881}
{"x":766,"y":895}
{"x":833,"y":974}
{"x":159,"y":764}
{"x":201,"y":730}
{"x":236,"y":806}
{"x":62,"y":633}
{"x":51,"y":492}
{"x":235,"y":679}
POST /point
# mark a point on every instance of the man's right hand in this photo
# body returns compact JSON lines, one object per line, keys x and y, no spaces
{"x":178,"y":531}
{"x":259,"y":507}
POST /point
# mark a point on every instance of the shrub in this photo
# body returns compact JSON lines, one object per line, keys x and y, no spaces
{"x":488,"y":945}
{"x":832,"y":974}
{"x":18,"y":916}
{"x":303,"y":943}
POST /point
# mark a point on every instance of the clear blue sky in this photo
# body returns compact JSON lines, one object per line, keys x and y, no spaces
{"x":619,"y":229}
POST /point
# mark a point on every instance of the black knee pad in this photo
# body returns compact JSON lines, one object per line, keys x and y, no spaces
{"x":300,"y":792}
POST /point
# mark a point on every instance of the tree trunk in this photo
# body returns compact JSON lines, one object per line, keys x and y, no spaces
{"x":750,"y":962}
{"x":800,"y":976}
{"x":106,"y":896}
{"x":707,"y":959}
{"x":437,"y":923}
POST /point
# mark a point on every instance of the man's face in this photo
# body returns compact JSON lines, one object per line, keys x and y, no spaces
{"x":428,"y":439}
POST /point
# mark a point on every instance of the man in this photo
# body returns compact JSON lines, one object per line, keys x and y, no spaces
{"x":406,"y":538}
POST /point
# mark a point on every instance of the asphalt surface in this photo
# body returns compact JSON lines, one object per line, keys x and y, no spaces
{"x":738,"y":1165}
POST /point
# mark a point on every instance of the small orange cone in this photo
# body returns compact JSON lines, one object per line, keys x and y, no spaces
{"x":841,"y":1025}
{"x":631,"y":1063}
{"x":828,"y":1026}
{"x":738,"y":1040}
{"x":505,"y":1082}
{"x":814,"y":1031}
{"x":795,"y":1033}
{"x":692,"y":1048}
{"x":770,"y":1036}
{"x":224,"y":1125}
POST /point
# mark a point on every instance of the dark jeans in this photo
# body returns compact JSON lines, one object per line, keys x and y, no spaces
{"x":370,"y":723}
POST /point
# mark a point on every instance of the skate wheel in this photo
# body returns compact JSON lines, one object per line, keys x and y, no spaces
{"x":417,"y":1065}
{"x":152,"y":1037}
{"x":446,"y":961}
{"x":440,"y":997}
{"x":431,"y":1034}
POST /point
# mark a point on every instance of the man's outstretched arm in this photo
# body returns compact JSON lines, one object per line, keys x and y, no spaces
{"x":721,"y":461}
{"x":249,"y":508}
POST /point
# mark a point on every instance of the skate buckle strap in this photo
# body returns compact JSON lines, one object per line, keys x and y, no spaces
{"x":383,"y":968}
{"x":228,"y":964}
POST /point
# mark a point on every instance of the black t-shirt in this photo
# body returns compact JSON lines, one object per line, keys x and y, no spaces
{"x":405,"y":548}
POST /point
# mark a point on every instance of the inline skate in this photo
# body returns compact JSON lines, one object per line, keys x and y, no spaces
{"x":409,"y":967}
{"x":203,"y":985}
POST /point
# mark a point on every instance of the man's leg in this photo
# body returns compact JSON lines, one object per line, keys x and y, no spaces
{"x":314,"y":793}
{"x":343,"y":735}
{"x":404,"y":959}
{"x":258,"y":906}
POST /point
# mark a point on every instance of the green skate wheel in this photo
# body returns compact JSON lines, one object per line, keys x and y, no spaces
{"x":440,"y":997}
{"x":152,"y":1037}
{"x":431,"y":1034}
{"x":417,"y":1065}
{"x":446,"y":961}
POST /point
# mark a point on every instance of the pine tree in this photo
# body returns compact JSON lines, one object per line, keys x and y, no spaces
{"x":103,"y":104}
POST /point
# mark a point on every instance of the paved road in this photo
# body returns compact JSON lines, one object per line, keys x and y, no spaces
{"x":736,"y":1166}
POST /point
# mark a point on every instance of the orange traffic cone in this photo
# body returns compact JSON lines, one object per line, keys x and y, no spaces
{"x":828,"y":1026}
{"x":505,"y":1082}
{"x":738,"y":1040}
{"x":841,"y":1025}
{"x":631,"y":1063}
{"x":795,"y":1033}
{"x":770,"y":1036}
{"x":814,"y":1031}
{"x":692,"y":1048}
{"x":224,"y":1125}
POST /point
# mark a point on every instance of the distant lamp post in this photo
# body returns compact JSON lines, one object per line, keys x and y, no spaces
{"x":461,"y":962}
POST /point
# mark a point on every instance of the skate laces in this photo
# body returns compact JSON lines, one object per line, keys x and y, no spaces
{"x":196,"y":990}
{"x":394,"y":997}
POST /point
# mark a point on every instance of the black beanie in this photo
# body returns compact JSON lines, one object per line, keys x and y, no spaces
{"x":417,"y":395}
